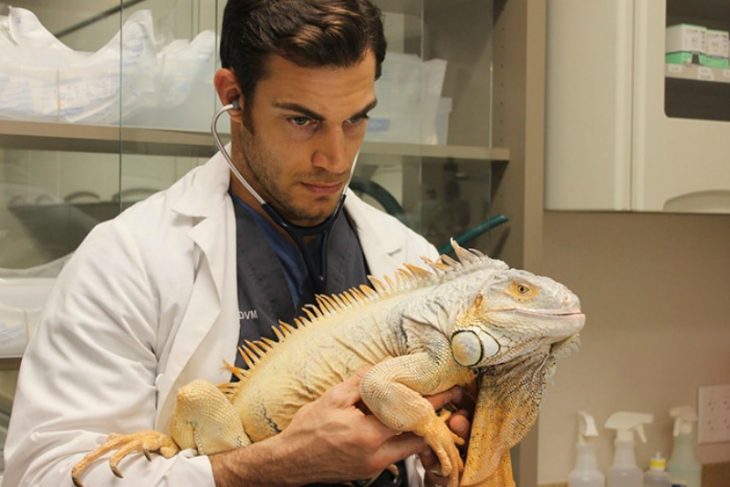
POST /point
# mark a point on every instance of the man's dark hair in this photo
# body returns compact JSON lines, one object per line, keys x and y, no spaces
{"x":309,"y":33}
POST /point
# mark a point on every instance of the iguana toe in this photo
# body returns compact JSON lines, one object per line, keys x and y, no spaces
{"x":144,"y":441}
{"x":442,"y":441}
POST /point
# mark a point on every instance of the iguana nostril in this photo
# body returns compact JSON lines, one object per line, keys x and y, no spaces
{"x":470,"y":346}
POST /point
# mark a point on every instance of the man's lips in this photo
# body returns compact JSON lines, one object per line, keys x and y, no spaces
{"x":323,"y":188}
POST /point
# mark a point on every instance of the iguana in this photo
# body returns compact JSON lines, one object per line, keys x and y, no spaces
{"x":422,"y":332}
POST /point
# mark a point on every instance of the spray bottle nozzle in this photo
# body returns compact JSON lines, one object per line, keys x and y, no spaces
{"x":625,"y":423}
{"x":586,"y":427}
{"x":683,"y":416}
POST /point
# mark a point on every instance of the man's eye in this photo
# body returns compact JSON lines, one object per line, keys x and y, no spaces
{"x":356,"y":120}
{"x":301,"y":121}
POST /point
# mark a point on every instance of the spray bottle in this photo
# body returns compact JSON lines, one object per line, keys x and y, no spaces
{"x":683,"y":466}
{"x":624,"y":472}
{"x":586,"y":473}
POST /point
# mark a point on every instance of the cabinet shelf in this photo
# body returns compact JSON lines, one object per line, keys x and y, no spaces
{"x":697,"y":73}
{"x":134,"y":140}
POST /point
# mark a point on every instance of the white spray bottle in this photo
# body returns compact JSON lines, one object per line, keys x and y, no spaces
{"x":624,"y":472}
{"x":586,"y":473}
{"x":683,"y":466}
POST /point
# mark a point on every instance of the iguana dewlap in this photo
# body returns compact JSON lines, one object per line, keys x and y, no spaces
{"x":423,"y":332}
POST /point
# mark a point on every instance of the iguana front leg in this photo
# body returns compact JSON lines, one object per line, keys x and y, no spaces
{"x":393,"y":390}
{"x":203,"y":418}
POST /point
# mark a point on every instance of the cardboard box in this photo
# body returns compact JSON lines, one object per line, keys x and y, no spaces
{"x":685,"y":38}
{"x":717,"y":43}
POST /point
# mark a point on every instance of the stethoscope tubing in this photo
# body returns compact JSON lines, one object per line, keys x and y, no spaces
{"x":318,"y":277}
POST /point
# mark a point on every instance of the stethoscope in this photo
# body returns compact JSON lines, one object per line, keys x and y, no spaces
{"x":318,"y":277}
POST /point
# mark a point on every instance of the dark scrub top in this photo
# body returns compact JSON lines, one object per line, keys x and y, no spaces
{"x":273,"y":282}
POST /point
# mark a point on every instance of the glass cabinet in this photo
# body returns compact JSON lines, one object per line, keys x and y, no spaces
{"x":637,"y":106}
{"x":105,"y":102}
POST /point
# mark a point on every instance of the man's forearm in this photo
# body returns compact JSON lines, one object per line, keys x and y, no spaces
{"x":267,"y":463}
{"x":262,"y":464}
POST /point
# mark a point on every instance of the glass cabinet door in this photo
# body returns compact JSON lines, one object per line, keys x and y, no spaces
{"x":428,"y":150}
{"x":105,"y":102}
{"x":171,"y":98}
{"x":697,"y":60}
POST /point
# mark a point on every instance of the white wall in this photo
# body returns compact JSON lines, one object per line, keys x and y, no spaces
{"x":656,"y":292}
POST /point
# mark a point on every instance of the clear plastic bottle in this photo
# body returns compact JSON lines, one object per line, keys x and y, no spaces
{"x":656,"y":476}
{"x":624,"y":472}
{"x":683,"y":467}
{"x":586,"y":473}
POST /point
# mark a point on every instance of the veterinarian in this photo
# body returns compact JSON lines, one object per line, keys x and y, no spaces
{"x":165,"y":292}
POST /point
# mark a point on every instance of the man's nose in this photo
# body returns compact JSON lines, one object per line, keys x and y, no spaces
{"x":330,"y":151}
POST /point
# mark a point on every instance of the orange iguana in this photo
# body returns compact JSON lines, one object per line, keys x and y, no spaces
{"x":423,"y":332}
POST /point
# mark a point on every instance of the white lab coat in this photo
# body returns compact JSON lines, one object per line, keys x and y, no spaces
{"x":147,"y":304}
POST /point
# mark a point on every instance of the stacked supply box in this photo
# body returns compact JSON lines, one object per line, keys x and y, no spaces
{"x":717,"y":49}
{"x":684,"y":42}
{"x":696,"y":44}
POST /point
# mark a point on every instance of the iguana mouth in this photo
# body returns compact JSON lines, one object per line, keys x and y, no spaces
{"x":547,"y":313}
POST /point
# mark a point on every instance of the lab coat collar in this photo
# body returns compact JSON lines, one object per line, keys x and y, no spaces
{"x":382,"y":251}
{"x":207,"y":190}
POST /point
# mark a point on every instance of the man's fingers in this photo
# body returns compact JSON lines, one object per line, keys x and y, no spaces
{"x":459,"y":423}
{"x":455,"y":394}
{"x":401,"y":446}
{"x":429,"y":460}
{"x":347,"y":392}
{"x":431,"y":465}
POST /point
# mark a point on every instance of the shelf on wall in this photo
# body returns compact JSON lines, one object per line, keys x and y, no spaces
{"x":10,"y":363}
{"x":697,"y":73}
{"x":134,"y":140}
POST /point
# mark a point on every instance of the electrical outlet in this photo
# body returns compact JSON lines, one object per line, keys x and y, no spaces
{"x":714,"y":414}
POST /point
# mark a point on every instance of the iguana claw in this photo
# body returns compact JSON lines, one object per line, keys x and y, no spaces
{"x":144,"y":441}
{"x":443,"y":442}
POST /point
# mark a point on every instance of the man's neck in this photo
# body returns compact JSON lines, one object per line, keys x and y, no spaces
{"x":248,"y":199}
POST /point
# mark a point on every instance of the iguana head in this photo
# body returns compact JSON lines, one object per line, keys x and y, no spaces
{"x":511,"y":334}
{"x":514,"y":314}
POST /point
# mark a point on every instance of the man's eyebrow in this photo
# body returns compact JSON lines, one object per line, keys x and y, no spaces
{"x":296,"y":107}
{"x":316,"y":116}
{"x":365,"y":110}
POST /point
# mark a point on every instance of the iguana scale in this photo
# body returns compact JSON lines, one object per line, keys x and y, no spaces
{"x":422,"y":332}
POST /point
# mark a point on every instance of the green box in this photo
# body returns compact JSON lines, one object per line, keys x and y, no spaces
{"x":714,"y":62}
{"x":678,"y":58}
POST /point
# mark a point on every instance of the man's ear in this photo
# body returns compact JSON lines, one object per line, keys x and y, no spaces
{"x":226,"y":85}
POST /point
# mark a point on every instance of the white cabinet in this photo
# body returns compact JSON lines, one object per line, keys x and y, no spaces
{"x":624,"y":131}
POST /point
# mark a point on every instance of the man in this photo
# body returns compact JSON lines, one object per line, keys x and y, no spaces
{"x":165,"y":292}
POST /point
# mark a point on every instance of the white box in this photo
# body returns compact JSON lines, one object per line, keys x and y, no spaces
{"x":685,"y":38}
{"x":717,"y":43}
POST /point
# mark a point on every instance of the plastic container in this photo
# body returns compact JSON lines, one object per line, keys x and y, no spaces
{"x":656,"y":476}
{"x":624,"y":472}
{"x":683,"y":467}
{"x":586,"y":473}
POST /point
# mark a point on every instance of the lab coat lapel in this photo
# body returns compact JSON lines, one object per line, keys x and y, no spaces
{"x":195,"y":350}
{"x":383,"y":253}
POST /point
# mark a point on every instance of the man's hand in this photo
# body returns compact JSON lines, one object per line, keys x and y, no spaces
{"x":343,"y":442}
{"x":328,"y":440}
{"x":459,"y":423}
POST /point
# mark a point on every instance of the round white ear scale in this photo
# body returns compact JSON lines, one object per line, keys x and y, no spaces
{"x":470,"y":346}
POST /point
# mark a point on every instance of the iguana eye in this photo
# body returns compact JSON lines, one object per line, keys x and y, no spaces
{"x":520,"y":290}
